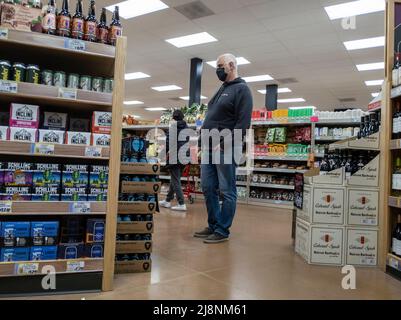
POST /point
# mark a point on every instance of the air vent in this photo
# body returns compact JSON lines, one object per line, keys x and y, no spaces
{"x":347,"y":100}
{"x":194,"y":10}
{"x":287,"y":80}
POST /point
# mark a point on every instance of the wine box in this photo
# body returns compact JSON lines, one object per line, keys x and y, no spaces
{"x":334,"y":177}
{"x":368,"y":143}
{"x":328,"y":205}
{"x":361,"y":247}
{"x":363,"y":207}
{"x":368,"y":176}
{"x":320,"y":244}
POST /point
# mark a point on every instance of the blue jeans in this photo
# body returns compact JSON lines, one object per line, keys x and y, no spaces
{"x":220,"y":178}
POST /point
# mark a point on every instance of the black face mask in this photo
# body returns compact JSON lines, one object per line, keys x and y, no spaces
{"x":221,"y":74}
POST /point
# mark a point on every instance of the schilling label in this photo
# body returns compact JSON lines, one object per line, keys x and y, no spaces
{"x":326,"y":245}
{"x":328,"y":206}
{"x":363,"y":207}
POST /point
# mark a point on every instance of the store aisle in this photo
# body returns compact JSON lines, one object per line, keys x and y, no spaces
{"x":257,"y":263}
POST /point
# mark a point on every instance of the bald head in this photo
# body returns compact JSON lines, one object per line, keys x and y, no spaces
{"x":229,"y":63}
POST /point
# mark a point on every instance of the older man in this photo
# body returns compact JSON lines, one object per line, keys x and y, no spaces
{"x":230,"y":108}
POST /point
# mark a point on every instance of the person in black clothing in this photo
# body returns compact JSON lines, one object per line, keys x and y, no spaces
{"x":175,"y":167}
{"x":230,"y":108}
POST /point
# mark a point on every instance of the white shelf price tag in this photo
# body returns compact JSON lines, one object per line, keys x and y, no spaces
{"x":67,"y":93}
{"x":6,"y":206}
{"x":80,"y":207}
{"x":74,"y":44}
{"x":393,"y":263}
{"x":75,"y":266}
{"x":4,"y":33}
{"x":8,"y":86}
{"x":95,"y":152}
{"x":26,"y":268}
{"x":43,"y":148}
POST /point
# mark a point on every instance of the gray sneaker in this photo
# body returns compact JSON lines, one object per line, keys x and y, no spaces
{"x":215,"y":238}
{"x":203,"y":234}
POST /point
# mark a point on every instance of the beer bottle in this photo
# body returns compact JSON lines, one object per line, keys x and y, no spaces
{"x":64,"y":21}
{"x":90,"y":23}
{"x":77,"y":26}
{"x":103,"y":29}
{"x":115,"y":27}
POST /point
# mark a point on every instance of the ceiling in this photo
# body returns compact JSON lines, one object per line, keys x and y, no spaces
{"x":282,"y":38}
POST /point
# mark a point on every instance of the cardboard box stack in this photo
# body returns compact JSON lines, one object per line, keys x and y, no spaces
{"x":338,"y":224}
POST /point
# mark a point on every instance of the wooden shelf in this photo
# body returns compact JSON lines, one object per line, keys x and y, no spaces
{"x":134,"y":266}
{"x":60,"y":150}
{"x":342,"y":122}
{"x":41,"y":208}
{"x":277,"y":170}
{"x":48,"y":96}
{"x":271,"y":203}
{"x":395,"y":144}
{"x":140,"y":187}
{"x":396,"y":92}
{"x":331,"y":138}
{"x":394,"y":202}
{"x":285,"y":122}
{"x":135,"y":227}
{"x":62,"y":266}
{"x":45,"y":50}
{"x":136,"y":207}
{"x":272,"y":186}
{"x":281,"y":158}
{"x":133,"y":247}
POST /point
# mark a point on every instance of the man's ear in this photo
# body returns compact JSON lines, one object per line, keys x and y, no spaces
{"x":232,"y":67}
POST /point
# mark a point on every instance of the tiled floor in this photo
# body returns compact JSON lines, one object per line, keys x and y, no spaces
{"x":257,"y":263}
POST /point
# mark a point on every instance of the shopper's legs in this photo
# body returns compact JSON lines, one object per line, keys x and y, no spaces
{"x":175,"y":183}
{"x":210,"y":185}
{"x":170,"y":194}
{"x":228,"y":189}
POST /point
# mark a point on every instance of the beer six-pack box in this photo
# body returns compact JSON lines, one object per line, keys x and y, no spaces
{"x":101,"y":122}
{"x":55,"y":121}
{"x":51,"y":136}
{"x":14,"y":254}
{"x":15,"y":233}
{"x":75,"y":181}
{"x":78,"y":138}
{"x":95,"y":230}
{"x":94,"y":250}
{"x":24,"y":116}
{"x":100,"y":140}
{"x":23,"y":134}
{"x":46,"y":182}
{"x":44,"y":233}
{"x":40,"y":253}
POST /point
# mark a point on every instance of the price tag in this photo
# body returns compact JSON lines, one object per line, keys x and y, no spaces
{"x":43,"y":148}
{"x":314,"y":119}
{"x":26,"y":268}
{"x":4,"y":33}
{"x":94,"y":152}
{"x":393,"y":263}
{"x":6,"y":206}
{"x":80,"y":207}
{"x":75,"y":44}
{"x":8,"y":86}
{"x":67,"y":93}
{"x":75,"y":266}
{"x":369,"y":221}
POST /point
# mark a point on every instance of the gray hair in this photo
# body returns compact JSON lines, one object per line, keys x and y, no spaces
{"x":227,"y":58}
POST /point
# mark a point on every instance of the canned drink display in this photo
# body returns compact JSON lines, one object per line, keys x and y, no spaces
{"x":85,"y":83}
{"x":73,"y":81}
{"x":59,"y":79}
{"x":108,"y":86}
{"x":47,"y":77}
{"x":5,"y":68}
{"x":19,"y":70}
{"x":32,"y":74}
{"x":97,"y":84}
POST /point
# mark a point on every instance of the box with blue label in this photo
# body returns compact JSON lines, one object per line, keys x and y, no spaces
{"x":95,"y":230}
{"x":97,"y":194}
{"x":46,"y":194}
{"x":16,"y":194}
{"x":15,"y":234}
{"x":14,"y":254}
{"x":18,"y":174}
{"x":75,"y":176}
{"x":43,"y":253}
{"x":46,"y":175}
{"x":74,"y":194}
{"x":99,"y":177}
{"x":94,"y":250}
{"x":44,"y":233}
{"x":71,"y":250}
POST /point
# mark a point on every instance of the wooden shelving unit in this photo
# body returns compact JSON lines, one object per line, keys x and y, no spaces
{"x":54,"y":53}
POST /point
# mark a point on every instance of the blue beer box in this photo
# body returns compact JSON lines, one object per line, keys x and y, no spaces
{"x":94,"y":250}
{"x":46,"y":175}
{"x":43,"y":253}
{"x":75,"y":176}
{"x":71,"y":250}
{"x":95,"y":230}
{"x":44,"y":233}
{"x":99,"y":177}
{"x":15,"y":234}
{"x":74,"y":194}
{"x":47,"y":193}
{"x":14,"y":254}
{"x":97,"y":194}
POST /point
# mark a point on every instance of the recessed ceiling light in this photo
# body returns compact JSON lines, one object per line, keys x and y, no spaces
{"x":372,"y":83}
{"x":304,"y":107}
{"x":167,"y":88}
{"x":156,"y":109}
{"x":370,"y":66}
{"x":133,"y":102}
{"x":364,"y":43}
{"x":354,"y":8}
{"x":136,"y":75}
{"x":280,"y":90}
{"x":134,"y":8}
{"x":134,"y":116}
{"x":375,"y":94}
{"x":240,"y":61}
{"x":192,"y":40}
{"x":264,"y":77}
{"x":187,"y":98}
{"x":291,"y":100}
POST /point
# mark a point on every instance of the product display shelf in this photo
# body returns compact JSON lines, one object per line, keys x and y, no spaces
{"x":70,"y":266}
{"x":277,"y":170}
{"x":283,"y":122}
{"x":271,"y":203}
{"x":395,"y":144}
{"x":54,"y":53}
{"x":18,"y":148}
{"x":282,"y":158}
{"x":272,"y":186}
